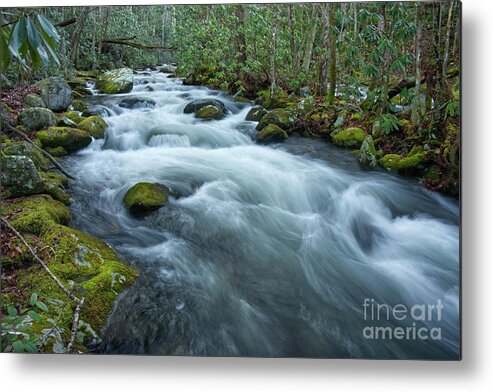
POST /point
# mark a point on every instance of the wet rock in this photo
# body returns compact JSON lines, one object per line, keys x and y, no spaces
{"x":96,"y":111}
{"x":271,"y":134}
{"x":94,"y":125}
{"x":28,"y":150}
{"x":210,"y":112}
{"x":168,"y":68}
{"x":137,"y":103}
{"x":283,"y":118}
{"x":146,"y":197}
{"x":256,"y":114}
{"x":54,"y":185}
{"x":34,"y":101}
{"x":34,"y":119}
{"x":349,"y":138}
{"x":195,"y":106}
{"x":56,"y":93}
{"x":117,"y":81}
{"x":19,"y":176}
{"x":79,"y":105}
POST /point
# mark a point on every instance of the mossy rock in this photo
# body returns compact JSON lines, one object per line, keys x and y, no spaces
{"x":34,"y":101}
{"x":71,"y":139}
{"x":394,"y":162}
{"x":271,"y":134}
{"x":56,"y":93}
{"x":94,"y":125}
{"x":56,"y":151}
{"x":210,"y":112}
{"x":196,"y":105}
{"x":72,"y":116}
{"x":34,"y":119}
{"x":367,"y":154}
{"x":28,"y":150}
{"x":349,"y":138}
{"x":79,"y":105}
{"x":256,"y":114}
{"x":283,"y":118}
{"x":54,"y":185}
{"x":36,"y":214}
{"x":19,"y":176}
{"x":146,"y":197}
{"x":116,"y":81}
{"x":433,"y":174}
{"x":278,"y":100}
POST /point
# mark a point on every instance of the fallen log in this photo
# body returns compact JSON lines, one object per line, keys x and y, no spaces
{"x":127,"y":42}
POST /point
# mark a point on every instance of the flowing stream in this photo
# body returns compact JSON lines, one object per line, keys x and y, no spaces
{"x":268,"y":250}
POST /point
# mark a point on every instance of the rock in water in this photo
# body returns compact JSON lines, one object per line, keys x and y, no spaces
{"x":209,"y":112}
{"x":168,"y":68}
{"x":283,"y":118}
{"x":256,"y":114}
{"x":95,"y":125}
{"x":271,"y":134}
{"x":56,"y":93}
{"x":146,"y":197}
{"x":34,"y":119}
{"x":137,"y":103}
{"x":19,"y":176}
{"x":195,"y":106}
{"x":117,"y":81}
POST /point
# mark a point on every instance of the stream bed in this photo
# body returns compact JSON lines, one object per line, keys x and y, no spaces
{"x":269,"y":251}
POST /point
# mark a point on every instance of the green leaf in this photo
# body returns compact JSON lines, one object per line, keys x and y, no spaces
{"x":33,"y":299}
{"x":42,"y":306}
{"x":4,"y":50}
{"x":34,"y":315}
{"x":18,"y":346}
{"x":18,"y":39}
{"x":11,"y":311}
{"x":32,"y":34}
{"x":48,"y":28}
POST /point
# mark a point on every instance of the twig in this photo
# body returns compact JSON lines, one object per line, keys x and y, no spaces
{"x":55,"y":324}
{"x":46,"y":154}
{"x":75,"y":326}
{"x":43,"y":264}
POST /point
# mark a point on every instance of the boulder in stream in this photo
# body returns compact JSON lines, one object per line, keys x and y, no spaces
{"x":94,"y":125}
{"x":195,"y":106}
{"x":137,"y":103}
{"x":56,"y":93}
{"x":145,"y":197}
{"x":256,"y":114}
{"x":64,"y":139}
{"x":283,"y":118}
{"x":270,"y":134}
{"x":117,"y":81}
{"x":210,"y":112}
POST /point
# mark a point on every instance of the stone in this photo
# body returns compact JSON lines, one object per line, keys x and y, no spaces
{"x":117,"y":81}
{"x":34,"y":101}
{"x":195,"y":106}
{"x":56,"y":93}
{"x":19,"y":176}
{"x":145,"y":197}
{"x":34,"y":119}
{"x":349,"y":137}
{"x":94,"y":125}
{"x":256,"y":114}
{"x":270,"y":134}
{"x":70,"y":139}
{"x":209,"y":112}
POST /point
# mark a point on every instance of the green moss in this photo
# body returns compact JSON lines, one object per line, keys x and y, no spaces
{"x":270,"y":134}
{"x":349,"y":137}
{"x":56,"y":151}
{"x":278,"y":100}
{"x":283,"y":118}
{"x":390,"y":161}
{"x":35,"y":214}
{"x":433,"y":174}
{"x":145,"y":197}
{"x":116,"y":81}
{"x":367,"y":154}
{"x":54,"y":185}
{"x":210,"y":112}
{"x":34,"y":119}
{"x":397,"y":163}
{"x":71,"y":139}
{"x":95,"y":125}
{"x":28,"y":150}
{"x":71,"y":115}
{"x":79,"y":105}
{"x":34,"y":101}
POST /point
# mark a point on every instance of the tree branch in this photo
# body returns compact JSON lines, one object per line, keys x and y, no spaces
{"x":75,"y":326}
{"x":125,"y":41}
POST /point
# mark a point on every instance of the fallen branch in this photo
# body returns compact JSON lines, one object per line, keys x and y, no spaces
{"x":55,"y":324}
{"x":126,"y":41}
{"x":75,"y":326}
{"x":46,"y":154}
{"x":403,"y":84}
{"x":40,"y":261}
{"x":66,"y":22}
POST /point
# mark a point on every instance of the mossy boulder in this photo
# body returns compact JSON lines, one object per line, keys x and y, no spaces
{"x":116,"y":81}
{"x":200,"y":76}
{"x":54,"y":185}
{"x":19,"y":176}
{"x":94,"y":125}
{"x":394,"y":162}
{"x":70,"y":139}
{"x":210,"y":112}
{"x":28,"y":150}
{"x":349,"y":138}
{"x":271,"y":134}
{"x":56,"y":93}
{"x":196,"y":105}
{"x":367,"y":155}
{"x":283,"y":118}
{"x":278,"y":100}
{"x":74,"y":117}
{"x":56,"y":151}
{"x":34,"y":119}
{"x":34,"y":101}
{"x":79,"y":105}
{"x":146,"y":197}
{"x":256,"y":114}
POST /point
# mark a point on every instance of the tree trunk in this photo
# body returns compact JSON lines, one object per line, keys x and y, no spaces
{"x":294,"y":54}
{"x":77,"y":34}
{"x":417,"y":110}
{"x":307,"y":58}
{"x":323,"y":67}
{"x":240,"y":40}
{"x":332,"y":55}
